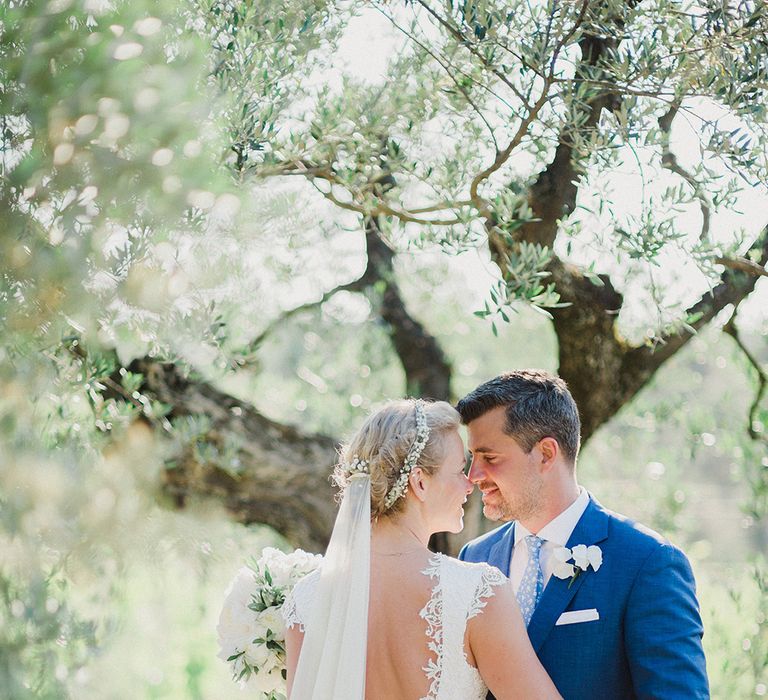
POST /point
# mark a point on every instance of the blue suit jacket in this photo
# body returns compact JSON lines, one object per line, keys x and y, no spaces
{"x":647,"y":640}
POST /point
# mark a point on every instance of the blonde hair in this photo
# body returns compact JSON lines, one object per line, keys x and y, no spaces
{"x":384,"y":440}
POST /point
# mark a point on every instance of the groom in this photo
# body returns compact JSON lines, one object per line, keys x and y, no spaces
{"x":627,"y":626}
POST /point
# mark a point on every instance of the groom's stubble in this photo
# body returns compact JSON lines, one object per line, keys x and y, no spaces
{"x":521,"y":504}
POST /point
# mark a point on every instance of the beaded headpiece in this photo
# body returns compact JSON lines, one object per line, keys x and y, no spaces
{"x":356,"y":467}
{"x":361,"y":466}
{"x":400,"y":487}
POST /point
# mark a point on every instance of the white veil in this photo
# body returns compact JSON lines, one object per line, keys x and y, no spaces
{"x":332,"y":661}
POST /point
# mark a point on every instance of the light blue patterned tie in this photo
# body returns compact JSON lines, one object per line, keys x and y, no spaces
{"x":532,"y":583}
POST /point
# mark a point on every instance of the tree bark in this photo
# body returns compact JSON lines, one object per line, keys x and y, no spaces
{"x":283,"y":477}
{"x":427,"y":370}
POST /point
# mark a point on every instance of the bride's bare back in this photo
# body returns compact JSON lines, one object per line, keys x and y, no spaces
{"x":397,"y":640}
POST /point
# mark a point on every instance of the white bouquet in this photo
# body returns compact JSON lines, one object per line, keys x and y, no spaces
{"x":251,"y":630}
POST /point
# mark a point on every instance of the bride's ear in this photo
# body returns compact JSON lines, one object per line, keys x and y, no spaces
{"x":419,"y":482}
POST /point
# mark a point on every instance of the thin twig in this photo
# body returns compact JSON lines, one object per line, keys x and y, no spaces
{"x":354,"y":286}
{"x":564,"y":40}
{"x":669,"y":161}
{"x":468,"y":45}
{"x":503,"y":156}
{"x":313,"y":173}
{"x":447,"y":69}
{"x":743,"y":264}
{"x":762,"y":378}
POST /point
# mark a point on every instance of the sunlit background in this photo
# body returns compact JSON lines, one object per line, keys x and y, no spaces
{"x":133,"y":229}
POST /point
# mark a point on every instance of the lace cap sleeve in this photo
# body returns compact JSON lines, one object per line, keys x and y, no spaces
{"x":490,"y":578}
{"x":298,"y":602}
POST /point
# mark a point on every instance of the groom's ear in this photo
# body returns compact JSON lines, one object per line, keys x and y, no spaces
{"x":549,"y":450}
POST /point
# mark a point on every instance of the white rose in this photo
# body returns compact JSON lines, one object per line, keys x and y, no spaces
{"x":580,"y":556}
{"x":237,"y":624}
{"x":304,"y":562}
{"x":268,"y":557}
{"x":272,"y":619}
{"x":561,"y":568}
{"x":256,"y":653}
{"x":263,"y":682}
{"x":241,"y":588}
{"x":595,"y":555}
{"x":279,"y":566}
{"x":283,"y":576}
{"x":234,"y":637}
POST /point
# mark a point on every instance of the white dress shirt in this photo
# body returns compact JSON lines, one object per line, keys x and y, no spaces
{"x":555,"y":534}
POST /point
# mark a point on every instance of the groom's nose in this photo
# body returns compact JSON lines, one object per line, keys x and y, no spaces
{"x":476,"y":473}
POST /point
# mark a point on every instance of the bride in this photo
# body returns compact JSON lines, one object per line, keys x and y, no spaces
{"x":436,"y":628}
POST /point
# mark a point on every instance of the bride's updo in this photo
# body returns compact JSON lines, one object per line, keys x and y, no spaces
{"x":384,"y":440}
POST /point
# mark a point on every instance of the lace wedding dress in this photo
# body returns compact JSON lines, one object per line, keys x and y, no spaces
{"x":460,"y":592}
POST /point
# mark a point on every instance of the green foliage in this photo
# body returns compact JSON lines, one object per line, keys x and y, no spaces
{"x":503,"y":86}
{"x":42,"y":640}
{"x":145,"y":152}
{"x":737,"y":653}
{"x":101,"y":164}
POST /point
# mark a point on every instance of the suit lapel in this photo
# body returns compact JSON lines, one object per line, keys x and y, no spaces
{"x":501,"y":552}
{"x":591,"y":529}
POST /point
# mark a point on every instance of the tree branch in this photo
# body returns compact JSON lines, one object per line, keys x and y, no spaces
{"x":638,"y":364}
{"x":735,"y":285}
{"x":553,"y":194}
{"x":282,"y":479}
{"x":358,"y":285}
{"x":744,"y":265}
{"x":379,"y":206}
{"x":467,"y":44}
{"x":603,"y":371}
{"x":762,"y":378}
{"x":448,"y":69}
{"x":669,"y":161}
{"x":427,"y":370}
{"x":503,"y":156}
{"x":533,"y":111}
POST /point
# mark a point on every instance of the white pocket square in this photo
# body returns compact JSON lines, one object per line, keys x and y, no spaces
{"x":573,"y":616}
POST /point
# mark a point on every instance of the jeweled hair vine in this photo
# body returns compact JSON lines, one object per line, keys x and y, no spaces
{"x":400,"y":487}
{"x":358,"y":466}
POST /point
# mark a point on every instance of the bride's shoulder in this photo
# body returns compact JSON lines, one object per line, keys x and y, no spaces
{"x":479,"y":571}
{"x":308,"y":582}
{"x":298,"y":601}
{"x":474,"y":583}
{"x":478,"y":567}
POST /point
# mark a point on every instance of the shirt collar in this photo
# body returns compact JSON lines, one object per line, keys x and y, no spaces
{"x":559,"y":529}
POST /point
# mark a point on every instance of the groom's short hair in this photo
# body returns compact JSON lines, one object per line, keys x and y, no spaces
{"x":538,"y":405}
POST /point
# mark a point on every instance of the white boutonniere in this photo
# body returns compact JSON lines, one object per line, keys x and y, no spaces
{"x":569,"y":563}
